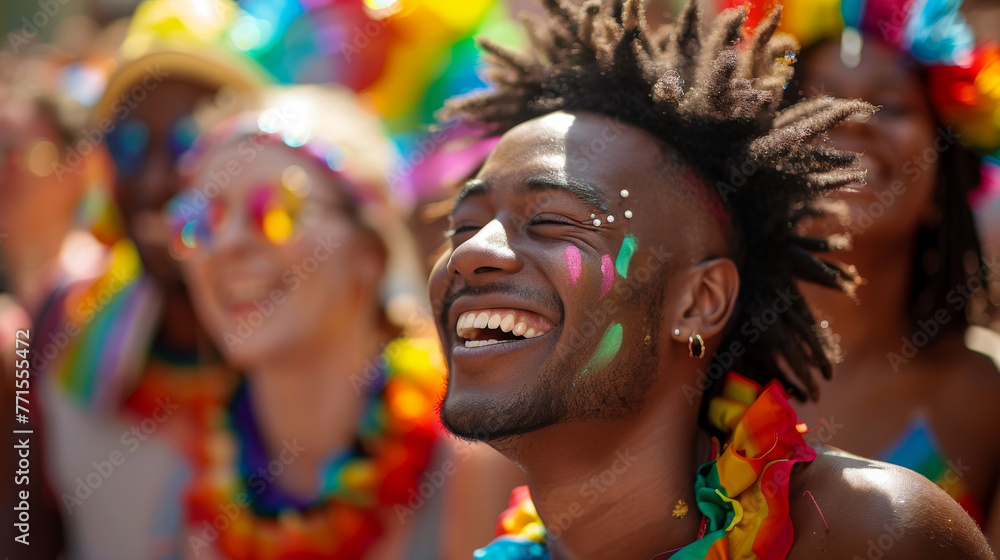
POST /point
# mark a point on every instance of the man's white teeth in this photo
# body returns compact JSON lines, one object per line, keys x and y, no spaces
{"x":466,"y":321}
{"x":481,"y":321}
{"x":471,"y":322}
{"x":478,"y":343}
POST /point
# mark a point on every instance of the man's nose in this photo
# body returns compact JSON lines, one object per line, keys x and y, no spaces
{"x":485,"y":256}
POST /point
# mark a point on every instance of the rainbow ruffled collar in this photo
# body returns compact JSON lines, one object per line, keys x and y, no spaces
{"x":743,"y":494}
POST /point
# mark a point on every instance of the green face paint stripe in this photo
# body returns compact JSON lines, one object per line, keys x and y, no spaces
{"x":625,"y":255}
{"x":607,"y":348}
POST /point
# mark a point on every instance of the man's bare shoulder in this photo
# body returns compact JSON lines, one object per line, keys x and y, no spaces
{"x":848,"y":507}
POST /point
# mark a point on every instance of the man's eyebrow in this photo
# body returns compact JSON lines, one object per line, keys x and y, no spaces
{"x":588,"y":193}
{"x":472,"y":187}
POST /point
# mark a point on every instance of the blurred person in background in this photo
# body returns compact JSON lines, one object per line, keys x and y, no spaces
{"x":141,"y":339}
{"x":126,"y":371}
{"x":41,"y":193}
{"x":303,"y":275}
{"x":907,"y":389}
{"x":41,"y":242}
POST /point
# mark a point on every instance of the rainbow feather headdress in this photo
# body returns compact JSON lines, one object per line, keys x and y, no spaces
{"x":963,"y":77}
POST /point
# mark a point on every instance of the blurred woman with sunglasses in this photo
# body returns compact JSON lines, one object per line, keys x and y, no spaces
{"x":125,"y":370}
{"x":302,"y":275}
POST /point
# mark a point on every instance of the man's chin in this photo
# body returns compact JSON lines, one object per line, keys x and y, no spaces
{"x":469,"y":421}
{"x":490,"y":420}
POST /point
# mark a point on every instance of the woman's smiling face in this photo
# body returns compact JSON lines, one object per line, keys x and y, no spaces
{"x":899,"y":145}
{"x":285,"y":263}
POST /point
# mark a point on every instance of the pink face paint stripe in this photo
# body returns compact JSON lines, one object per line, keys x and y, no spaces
{"x":574,"y":263}
{"x":608,"y":272}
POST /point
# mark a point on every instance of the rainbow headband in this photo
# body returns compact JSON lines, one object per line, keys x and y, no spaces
{"x":296,"y":130}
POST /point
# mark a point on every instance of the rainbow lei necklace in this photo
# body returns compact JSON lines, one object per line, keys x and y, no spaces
{"x":236,"y":510}
{"x":743,"y":494}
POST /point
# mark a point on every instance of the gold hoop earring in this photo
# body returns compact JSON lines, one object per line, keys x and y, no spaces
{"x":696,"y":346}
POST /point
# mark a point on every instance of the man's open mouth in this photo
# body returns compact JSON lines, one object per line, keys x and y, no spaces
{"x":484,"y":327}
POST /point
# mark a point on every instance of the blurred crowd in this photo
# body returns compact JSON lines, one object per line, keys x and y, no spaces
{"x":217,"y":220}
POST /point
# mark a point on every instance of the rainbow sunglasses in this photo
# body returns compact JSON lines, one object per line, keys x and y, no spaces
{"x":129,"y":141}
{"x":276,"y":211}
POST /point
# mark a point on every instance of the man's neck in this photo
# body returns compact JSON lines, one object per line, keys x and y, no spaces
{"x":607,"y":489}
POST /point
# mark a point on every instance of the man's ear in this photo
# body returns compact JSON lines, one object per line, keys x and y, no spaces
{"x":707,"y":299}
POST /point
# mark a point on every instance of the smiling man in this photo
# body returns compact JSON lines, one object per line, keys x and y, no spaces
{"x":627,"y":242}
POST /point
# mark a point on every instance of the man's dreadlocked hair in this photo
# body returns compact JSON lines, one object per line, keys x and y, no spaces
{"x":717,"y":106}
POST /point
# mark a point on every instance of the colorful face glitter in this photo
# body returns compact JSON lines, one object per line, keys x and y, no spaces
{"x":607,"y":348}
{"x":625,"y":255}
{"x":608,"y":275}
{"x":574,"y":263}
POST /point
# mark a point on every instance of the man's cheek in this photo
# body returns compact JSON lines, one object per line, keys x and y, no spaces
{"x":606,"y":350}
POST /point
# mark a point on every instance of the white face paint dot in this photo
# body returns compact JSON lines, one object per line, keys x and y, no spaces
{"x":824,"y":324}
{"x":597,"y":222}
{"x":624,"y":193}
{"x":611,"y":219}
{"x":628,"y":213}
{"x":592,"y":216}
